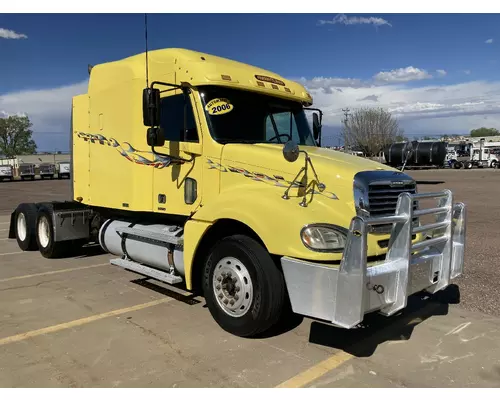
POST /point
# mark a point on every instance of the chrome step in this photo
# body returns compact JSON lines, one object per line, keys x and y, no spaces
{"x":147,"y":271}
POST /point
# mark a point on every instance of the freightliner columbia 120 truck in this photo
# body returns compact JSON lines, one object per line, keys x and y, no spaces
{"x":198,"y":170}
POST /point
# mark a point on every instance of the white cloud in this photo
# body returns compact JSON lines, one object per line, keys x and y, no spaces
{"x":328,"y":85}
{"x":467,"y":71}
{"x":48,"y":109}
{"x":430,"y":109}
{"x":402,"y":75}
{"x":441,"y":72}
{"x":9,"y":34}
{"x":343,"y":19}
{"x":489,"y":41}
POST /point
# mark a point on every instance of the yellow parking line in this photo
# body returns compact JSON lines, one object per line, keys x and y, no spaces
{"x":317,"y":371}
{"x":79,"y":322}
{"x":15,"y":278}
{"x":323,"y":367}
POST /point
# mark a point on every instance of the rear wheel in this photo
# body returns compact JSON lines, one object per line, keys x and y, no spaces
{"x":243,"y":288}
{"x":493,"y":164}
{"x":45,"y":237}
{"x":24,"y":228}
{"x":468,"y":165}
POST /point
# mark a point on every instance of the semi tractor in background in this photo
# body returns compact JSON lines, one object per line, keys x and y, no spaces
{"x":477,"y":154}
{"x":47,"y":170}
{"x":200,"y":171}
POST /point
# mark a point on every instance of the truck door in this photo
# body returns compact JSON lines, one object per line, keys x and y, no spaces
{"x":175,"y":188}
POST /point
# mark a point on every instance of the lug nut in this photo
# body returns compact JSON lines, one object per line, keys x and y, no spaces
{"x":229,"y":274}
{"x":219,"y":278}
{"x":231,"y":302}
{"x":236,"y":297}
{"x":220,"y":296}
{"x":235,"y":280}
{"x":223,"y":274}
{"x":238,"y":288}
{"x":226,"y":301}
{"x":218,"y":287}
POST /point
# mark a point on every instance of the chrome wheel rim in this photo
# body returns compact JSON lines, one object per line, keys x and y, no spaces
{"x":233,"y":287}
{"x":43,"y":231}
{"x":21,"y":227}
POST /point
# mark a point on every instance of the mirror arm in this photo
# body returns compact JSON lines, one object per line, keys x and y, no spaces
{"x":175,"y":160}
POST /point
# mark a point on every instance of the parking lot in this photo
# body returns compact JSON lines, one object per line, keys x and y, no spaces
{"x":81,"y":322}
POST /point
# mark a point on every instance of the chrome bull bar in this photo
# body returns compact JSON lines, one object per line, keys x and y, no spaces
{"x":343,"y":295}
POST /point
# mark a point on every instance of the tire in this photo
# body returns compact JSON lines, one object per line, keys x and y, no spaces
{"x":259,"y":291}
{"x":23,"y":178}
{"x":45,"y":234}
{"x":457,"y":165}
{"x":468,"y":165}
{"x":493,"y":164}
{"x":24,"y":226}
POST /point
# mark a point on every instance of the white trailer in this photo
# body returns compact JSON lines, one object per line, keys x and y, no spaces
{"x":64,"y":169}
{"x":6,"y":172}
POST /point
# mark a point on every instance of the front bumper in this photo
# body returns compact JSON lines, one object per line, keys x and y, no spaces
{"x":343,"y":295}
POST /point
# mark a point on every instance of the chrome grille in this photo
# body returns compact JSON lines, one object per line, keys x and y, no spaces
{"x":377,"y":192}
{"x":383,"y":197}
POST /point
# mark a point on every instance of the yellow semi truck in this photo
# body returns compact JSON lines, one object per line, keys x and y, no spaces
{"x":197,"y":170}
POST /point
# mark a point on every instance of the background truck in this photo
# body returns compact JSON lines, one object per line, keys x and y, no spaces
{"x":478,"y":155}
{"x":47,"y":170}
{"x":200,"y":171}
{"x":6,"y":172}
{"x":27,"y":170}
{"x":63,"y":169}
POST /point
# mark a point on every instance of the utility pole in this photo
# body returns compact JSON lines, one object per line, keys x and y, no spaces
{"x":346,"y":112}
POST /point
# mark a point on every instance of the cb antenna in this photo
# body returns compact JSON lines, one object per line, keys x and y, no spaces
{"x":146,"y":36}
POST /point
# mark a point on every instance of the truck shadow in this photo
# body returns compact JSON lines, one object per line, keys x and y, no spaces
{"x":376,"y":329}
{"x":157,"y":286}
{"x":430,"y":182}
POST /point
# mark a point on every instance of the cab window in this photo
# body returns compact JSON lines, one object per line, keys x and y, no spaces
{"x":172,"y":119}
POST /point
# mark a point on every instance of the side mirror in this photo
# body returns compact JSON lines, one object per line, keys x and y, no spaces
{"x":151,"y":107}
{"x":155,"y":137}
{"x":291,"y":151}
{"x":316,"y":126}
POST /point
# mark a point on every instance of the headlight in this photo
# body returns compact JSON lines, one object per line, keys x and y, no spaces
{"x":324,"y":238}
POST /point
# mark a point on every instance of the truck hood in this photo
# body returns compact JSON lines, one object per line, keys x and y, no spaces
{"x":334,"y":168}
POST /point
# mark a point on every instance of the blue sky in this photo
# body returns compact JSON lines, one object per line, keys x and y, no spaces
{"x":437,"y":73}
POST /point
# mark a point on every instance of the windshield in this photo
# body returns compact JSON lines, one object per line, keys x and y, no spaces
{"x":236,"y":116}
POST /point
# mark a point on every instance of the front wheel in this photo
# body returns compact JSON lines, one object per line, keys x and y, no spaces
{"x":243,"y":288}
{"x":493,"y":164}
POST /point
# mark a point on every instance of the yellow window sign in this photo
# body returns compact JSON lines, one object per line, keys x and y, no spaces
{"x":219,"y":106}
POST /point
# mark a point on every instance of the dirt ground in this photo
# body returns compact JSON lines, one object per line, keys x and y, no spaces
{"x":80,"y":322}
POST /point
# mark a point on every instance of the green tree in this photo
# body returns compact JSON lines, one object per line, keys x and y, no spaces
{"x":16,"y":136}
{"x":483,"y":132}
